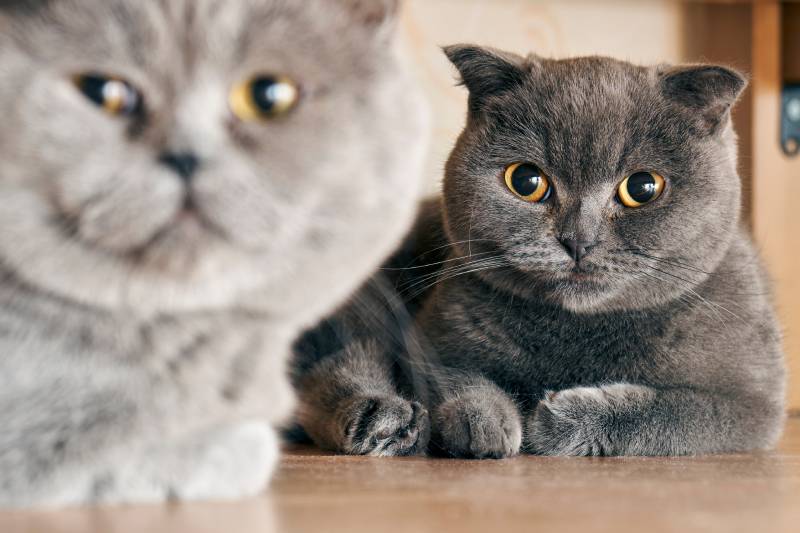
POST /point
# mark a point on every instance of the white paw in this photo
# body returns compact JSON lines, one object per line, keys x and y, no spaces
{"x":239,"y":464}
{"x":227,"y":464}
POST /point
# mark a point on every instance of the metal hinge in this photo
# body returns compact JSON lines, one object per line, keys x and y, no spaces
{"x":790,"y":120}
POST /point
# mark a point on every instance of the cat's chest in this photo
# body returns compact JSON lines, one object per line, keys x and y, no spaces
{"x":230,"y":363}
{"x":533,"y":348}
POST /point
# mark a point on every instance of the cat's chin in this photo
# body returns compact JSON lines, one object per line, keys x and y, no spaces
{"x":582,"y":296}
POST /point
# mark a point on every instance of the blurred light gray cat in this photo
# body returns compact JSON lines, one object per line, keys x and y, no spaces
{"x":185,"y":185}
{"x":599,"y":295}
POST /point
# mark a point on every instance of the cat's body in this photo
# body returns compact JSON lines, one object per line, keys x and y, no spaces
{"x":579,"y":321}
{"x":163,"y":239}
{"x":697,"y":375}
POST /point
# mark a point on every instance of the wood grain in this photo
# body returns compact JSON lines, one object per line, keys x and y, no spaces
{"x":322,"y":493}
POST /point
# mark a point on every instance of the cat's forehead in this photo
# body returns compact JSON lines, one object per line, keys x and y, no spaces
{"x":171,"y":34}
{"x":587,"y":120}
{"x":591,"y":87}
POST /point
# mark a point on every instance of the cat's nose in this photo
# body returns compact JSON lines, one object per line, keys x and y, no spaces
{"x":577,"y":249}
{"x":184,"y":164}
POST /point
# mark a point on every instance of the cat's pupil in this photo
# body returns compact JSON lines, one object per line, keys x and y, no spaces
{"x":642,"y":187}
{"x":115,"y":96}
{"x":270,"y":93}
{"x":527,"y":179}
{"x":94,"y":87}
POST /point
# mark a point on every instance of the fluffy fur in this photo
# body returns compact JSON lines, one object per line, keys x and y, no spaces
{"x":661,"y":341}
{"x":143,"y":344}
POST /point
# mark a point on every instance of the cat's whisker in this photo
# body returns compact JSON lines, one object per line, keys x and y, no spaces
{"x":455,"y":273}
{"x":452,"y":244}
{"x":683,"y":298}
{"x":671,"y":262}
{"x":688,"y":287}
{"x":428,"y":265}
{"x":417,"y":281}
{"x":685,"y":266}
{"x":488,"y":266}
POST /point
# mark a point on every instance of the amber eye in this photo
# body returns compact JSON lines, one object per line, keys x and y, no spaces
{"x":640,"y":188}
{"x":527,"y":181}
{"x":264,"y":98}
{"x":114,"y":96}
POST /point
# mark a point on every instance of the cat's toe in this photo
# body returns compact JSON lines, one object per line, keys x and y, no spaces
{"x":471,"y":429}
{"x":387,"y":426}
{"x":567,"y":424}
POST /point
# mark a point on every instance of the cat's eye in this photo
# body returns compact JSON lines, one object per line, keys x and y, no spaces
{"x":264,"y":98}
{"x":640,"y":188}
{"x":527,"y":181}
{"x":112,"y":95}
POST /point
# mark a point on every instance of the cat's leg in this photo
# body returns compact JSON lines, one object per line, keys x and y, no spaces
{"x":70,"y":438}
{"x":626,"y":419}
{"x":228,"y":463}
{"x":349,"y":403}
{"x":53,"y":437}
{"x":475,"y":418}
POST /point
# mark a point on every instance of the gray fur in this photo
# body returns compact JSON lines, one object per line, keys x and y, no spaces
{"x":671,"y":346}
{"x":143,"y":354}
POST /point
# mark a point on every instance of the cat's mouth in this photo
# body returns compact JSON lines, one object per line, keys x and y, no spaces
{"x":582,"y":276}
{"x":192,"y":213}
{"x":190,"y":224}
{"x":185,"y":233}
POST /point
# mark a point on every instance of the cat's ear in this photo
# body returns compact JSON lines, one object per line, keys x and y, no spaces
{"x":708,"y":90}
{"x":487,"y":72}
{"x":379,"y":15}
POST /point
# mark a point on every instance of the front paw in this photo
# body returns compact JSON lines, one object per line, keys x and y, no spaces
{"x":226,"y":464}
{"x":478,"y":426}
{"x":570,"y":422}
{"x":384,"y":426}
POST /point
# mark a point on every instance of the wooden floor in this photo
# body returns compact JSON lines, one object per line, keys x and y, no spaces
{"x":317,"y":493}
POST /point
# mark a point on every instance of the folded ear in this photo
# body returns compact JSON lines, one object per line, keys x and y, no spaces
{"x":709,"y":90}
{"x":376,"y":14}
{"x":487,"y":72}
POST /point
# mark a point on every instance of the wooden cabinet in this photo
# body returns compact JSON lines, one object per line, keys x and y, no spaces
{"x":760,"y":37}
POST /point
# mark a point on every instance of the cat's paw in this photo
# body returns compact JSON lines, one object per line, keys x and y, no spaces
{"x":237,"y":464}
{"x":569,"y":422}
{"x":385,"y":426}
{"x":478,"y":426}
{"x":228,"y":464}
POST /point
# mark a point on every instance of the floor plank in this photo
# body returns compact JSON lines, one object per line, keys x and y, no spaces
{"x":322,"y":493}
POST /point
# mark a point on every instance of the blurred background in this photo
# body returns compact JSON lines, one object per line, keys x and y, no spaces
{"x":759,"y":37}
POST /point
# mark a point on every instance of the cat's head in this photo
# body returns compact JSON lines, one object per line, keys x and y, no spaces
{"x":593,"y":183}
{"x":193,"y":154}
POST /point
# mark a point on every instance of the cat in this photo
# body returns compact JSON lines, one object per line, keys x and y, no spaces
{"x":186,"y":185}
{"x":600,"y":295}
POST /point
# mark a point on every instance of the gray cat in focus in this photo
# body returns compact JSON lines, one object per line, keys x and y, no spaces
{"x":184,"y":186}
{"x":599,"y":295}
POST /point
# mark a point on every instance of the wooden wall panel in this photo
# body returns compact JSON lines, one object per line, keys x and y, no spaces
{"x":776,"y":181}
